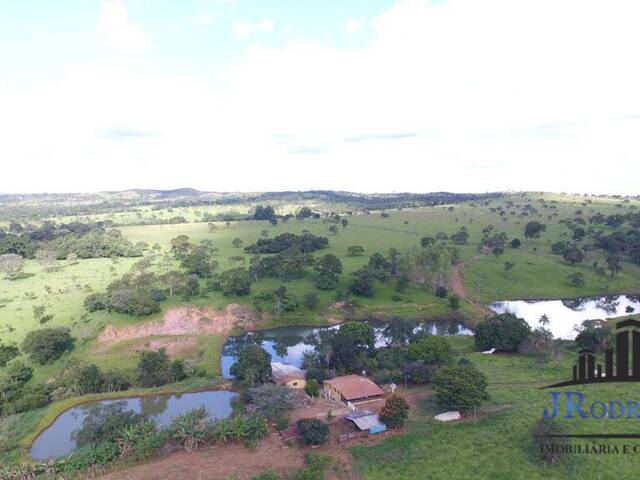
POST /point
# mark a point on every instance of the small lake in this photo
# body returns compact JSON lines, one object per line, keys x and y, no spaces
{"x":288,"y":344}
{"x":565,"y":315}
{"x":57,"y":440}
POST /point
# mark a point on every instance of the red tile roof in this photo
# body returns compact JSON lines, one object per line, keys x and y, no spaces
{"x":354,"y":387}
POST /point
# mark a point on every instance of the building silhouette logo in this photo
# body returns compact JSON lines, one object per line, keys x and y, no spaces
{"x":586,"y":371}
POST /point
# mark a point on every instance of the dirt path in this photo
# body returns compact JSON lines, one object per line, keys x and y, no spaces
{"x":218,"y":463}
{"x":456,"y":284}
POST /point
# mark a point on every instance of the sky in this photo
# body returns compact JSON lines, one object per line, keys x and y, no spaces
{"x":358,"y":95}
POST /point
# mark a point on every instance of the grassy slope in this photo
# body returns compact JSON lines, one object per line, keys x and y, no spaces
{"x":537,"y":273}
{"x":497,"y":446}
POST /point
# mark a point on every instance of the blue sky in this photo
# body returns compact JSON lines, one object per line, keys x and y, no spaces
{"x":364,"y":95}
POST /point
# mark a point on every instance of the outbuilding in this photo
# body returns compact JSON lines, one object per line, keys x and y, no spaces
{"x":289,"y":375}
{"x":352,"y":388}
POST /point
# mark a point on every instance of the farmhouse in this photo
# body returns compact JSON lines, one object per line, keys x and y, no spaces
{"x":288,"y":375}
{"x":352,"y":388}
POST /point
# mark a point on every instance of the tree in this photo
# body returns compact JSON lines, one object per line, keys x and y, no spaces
{"x":312,"y":387}
{"x":253,"y":365}
{"x":344,"y":222}
{"x":180,"y":246}
{"x":83,"y":379}
{"x":333,"y":229}
{"x":304,"y":212}
{"x":515,"y":243}
{"x":576,"y":279}
{"x":454,"y":301}
{"x":198,"y":262}
{"x":264,"y":213}
{"x":432,"y":350}
{"x":7,"y":353}
{"x":48,"y":344}
{"x":355,"y":251}
{"x":40,"y":314}
{"x":573,"y":255}
{"x":460,"y":237}
{"x":311,"y":300}
{"x":46,"y":258}
{"x":269,"y":400}
{"x":460,"y":387}
{"x":312,"y":431}
{"x":328,"y":268}
{"x":362,"y":283}
{"x":395,"y":411}
{"x":11,"y":265}
{"x":235,"y":282}
{"x":503,"y":332}
{"x":154,"y":368}
{"x":534,"y":229}
{"x":350,"y":341}
{"x":426,"y":241}
{"x":613,"y":262}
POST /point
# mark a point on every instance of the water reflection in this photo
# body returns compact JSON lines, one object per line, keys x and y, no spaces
{"x":289,"y":344}
{"x":57,"y":440}
{"x":565,"y":315}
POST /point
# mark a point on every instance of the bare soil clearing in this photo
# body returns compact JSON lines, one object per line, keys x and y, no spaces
{"x":184,"y":321}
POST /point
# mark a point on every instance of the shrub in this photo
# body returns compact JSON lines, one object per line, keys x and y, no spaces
{"x":461,"y":387}
{"x":88,"y":457}
{"x":317,"y":466}
{"x":190,"y":429}
{"x":268,"y":475}
{"x":515,"y":243}
{"x":313,"y":431}
{"x":154,"y":368}
{"x":48,"y":344}
{"x":270,"y":401}
{"x":441,"y":292}
{"x":7,"y":353}
{"x":432,"y":350}
{"x":503,"y":332}
{"x":454,"y":301}
{"x":395,"y":411}
{"x":355,"y":251}
{"x":311,"y":300}
{"x":312,"y":388}
{"x":542,"y":445}
{"x":96,"y":301}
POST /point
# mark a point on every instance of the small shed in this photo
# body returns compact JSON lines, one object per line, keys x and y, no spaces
{"x":352,"y":388}
{"x":367,"y":421}
{"x":289,"y":375}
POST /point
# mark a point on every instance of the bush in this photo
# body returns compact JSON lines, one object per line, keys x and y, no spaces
{"x":502,"y":332}
{"x":432,"y":350}
{"x":542,"y":445}
{"x":48,"y":344}
{"x":311,"y":300}
{"x":270,"y":401}
{"x":7,"y":353}
{"x":154,"y":368}
{"x":395,"y":411}
{"x":268,"y":475}
{"x":454,"y":301}
{"x":355,"y":251}
{"x":313,"y":431}
{"x":190,"y":430}
{"x":312,"y":388}
{"x":96,"y":301}
{"x":235,"y":282}
{"x":88,"y":457}
{"x":317,"y":466}
{"x":460,"y":387}
{"x":441,"y":292}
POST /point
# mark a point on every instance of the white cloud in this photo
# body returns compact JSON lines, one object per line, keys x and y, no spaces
{"x":244,"y":29}
{"x":118,"y":31}
{"x":353,"y":25}
{"x":460,"y":95}
{"x":205,"y":20}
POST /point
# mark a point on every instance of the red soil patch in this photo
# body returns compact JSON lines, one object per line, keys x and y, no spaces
{"x":218,"y":463}
{"x":184,"y":321}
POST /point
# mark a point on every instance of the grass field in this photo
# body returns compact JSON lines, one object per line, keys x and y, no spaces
{"x":498,"y":446}
{"x":537,"y":274}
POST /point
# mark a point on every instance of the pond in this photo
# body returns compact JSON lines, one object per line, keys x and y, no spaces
{"x":57,"y":440}
{"x":565,"y":315}
{"x":288,"y":344}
